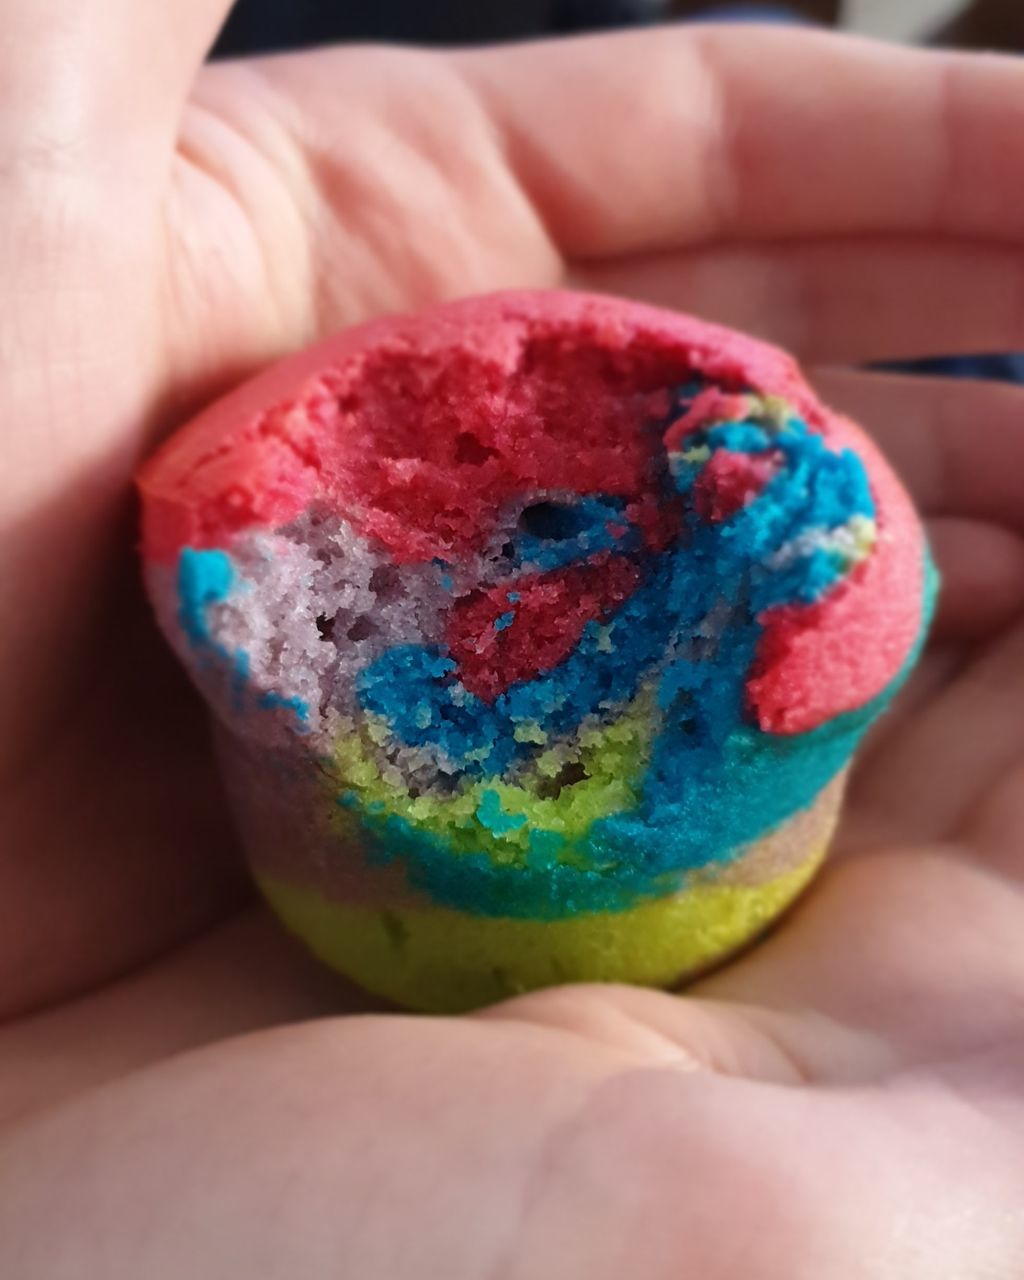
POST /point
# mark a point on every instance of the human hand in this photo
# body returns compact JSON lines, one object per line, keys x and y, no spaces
{"x":844,"y":1101}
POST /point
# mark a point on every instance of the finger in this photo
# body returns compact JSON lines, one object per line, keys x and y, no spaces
{"x":940,"y":664}
{"x":76,"y":78}
{"x":982,"y":568}
{"x":995,"y":825}
{"x":245,"y":975}
{"x":122,"y":869}
{"x":843,"y":299}
{"x":924,"y":782}
{"x":399,"y":1148}
{"x":729,"y":134}
{"x":376,"y":1147}
{"x":957,"y":445}
{"x":903,"y":957}
{"x":948,"y":653}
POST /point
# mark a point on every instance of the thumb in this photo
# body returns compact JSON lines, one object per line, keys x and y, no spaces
{"x":97,"y":85}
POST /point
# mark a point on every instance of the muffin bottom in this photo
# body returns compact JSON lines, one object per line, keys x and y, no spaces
{"x":436,"y":959}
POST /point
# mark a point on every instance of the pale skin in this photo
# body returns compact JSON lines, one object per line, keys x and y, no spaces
{"x":181,"y":1092}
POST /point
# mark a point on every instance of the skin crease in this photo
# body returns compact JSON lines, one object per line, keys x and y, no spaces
{"x":181,"y":1092}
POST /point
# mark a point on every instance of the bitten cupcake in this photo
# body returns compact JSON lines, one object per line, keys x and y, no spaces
{"x":540,"y":630}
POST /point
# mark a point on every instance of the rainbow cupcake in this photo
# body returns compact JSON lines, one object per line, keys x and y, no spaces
{"x":540,"y":630}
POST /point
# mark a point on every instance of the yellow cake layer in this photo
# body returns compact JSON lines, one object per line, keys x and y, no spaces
{"x":436,"y":959}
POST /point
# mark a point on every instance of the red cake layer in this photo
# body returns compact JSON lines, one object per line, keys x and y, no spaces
{"x":418,"y":427}
{"x":421,"y":430}
{"x":497,"y":641}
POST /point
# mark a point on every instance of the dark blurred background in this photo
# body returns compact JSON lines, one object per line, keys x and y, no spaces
{"x":261,"y":25}
{"x":278,"y":24}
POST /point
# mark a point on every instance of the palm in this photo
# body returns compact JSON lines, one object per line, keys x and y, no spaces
{"x":304,"y":197}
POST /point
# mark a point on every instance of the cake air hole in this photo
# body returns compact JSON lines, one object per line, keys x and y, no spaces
{"x":551,"y":521}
